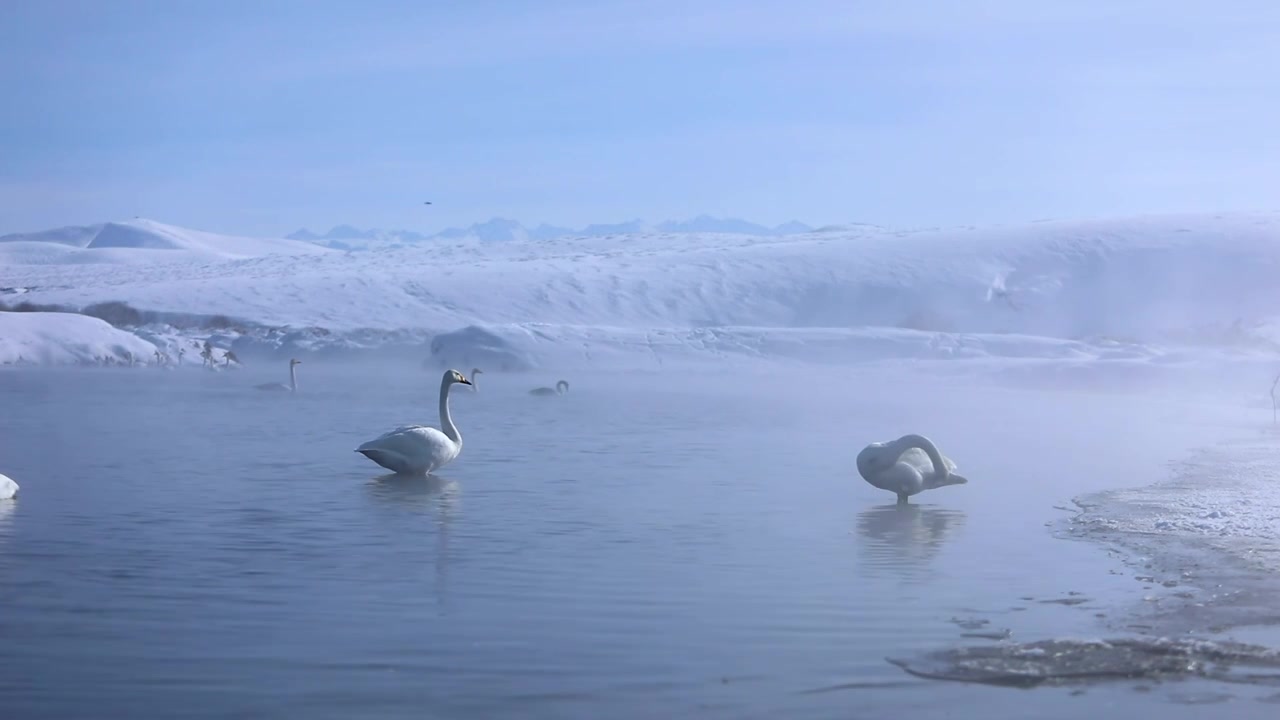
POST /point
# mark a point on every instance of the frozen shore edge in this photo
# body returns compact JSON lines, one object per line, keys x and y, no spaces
{"x":1205,"y":542}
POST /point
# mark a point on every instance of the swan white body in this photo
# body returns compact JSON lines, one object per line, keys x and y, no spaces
{"x":562,"y":387}
{"x":420,"y":449}
{"x":907,"y":466}
{"x":293,"y":380}
{"x":8,"y":488}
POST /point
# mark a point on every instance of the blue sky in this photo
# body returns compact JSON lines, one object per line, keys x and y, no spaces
{"x":260,"y":117}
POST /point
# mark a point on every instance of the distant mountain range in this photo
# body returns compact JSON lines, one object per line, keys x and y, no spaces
{"x":504,"y":230}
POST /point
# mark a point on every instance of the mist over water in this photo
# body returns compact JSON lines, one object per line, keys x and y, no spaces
{"x":648,"y":544}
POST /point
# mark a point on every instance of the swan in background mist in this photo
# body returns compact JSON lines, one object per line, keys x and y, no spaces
{"x":293,"y":379}
{"x":562,"y":387}
{"x":475,"y":387}
{"x":8,"y":488}
{"x":420,"y":449}
{"x":907,"y":466}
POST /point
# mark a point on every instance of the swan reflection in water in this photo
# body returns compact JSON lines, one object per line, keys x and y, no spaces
{"x":6,"y":510}
{"x":905,"y":536}
{"x":424,"y":494}
{"x":424,"y":490}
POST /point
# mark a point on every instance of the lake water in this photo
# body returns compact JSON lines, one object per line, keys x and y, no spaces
{"x":672,"y":545}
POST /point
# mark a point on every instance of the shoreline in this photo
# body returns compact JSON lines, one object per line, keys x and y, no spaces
{"x":1204,"y":543}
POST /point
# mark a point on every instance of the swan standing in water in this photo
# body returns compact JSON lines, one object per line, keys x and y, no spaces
{"x":907,"y":466}
{"x":562,"y":387}
{"x":8,"y":488}
{"x":420,"y":449}
{"x":293,"y":380}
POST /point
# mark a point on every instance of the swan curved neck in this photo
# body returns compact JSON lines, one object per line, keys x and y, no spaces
{"x":446,"y":421}
{"x":906,"y":442}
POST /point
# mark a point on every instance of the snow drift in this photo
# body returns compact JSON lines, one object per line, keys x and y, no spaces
{"x":65,"y":339}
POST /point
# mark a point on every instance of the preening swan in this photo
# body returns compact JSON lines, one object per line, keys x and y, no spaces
{"x":562,"y":387}
{"x":8,"y":488}
{"x":420,"y":449}
{"x":907,"y":466}
{"x":293,"y":379}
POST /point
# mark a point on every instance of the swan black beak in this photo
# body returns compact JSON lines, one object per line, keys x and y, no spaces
{"x":465,"y":381}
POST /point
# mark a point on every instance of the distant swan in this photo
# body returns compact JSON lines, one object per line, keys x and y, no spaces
{"x":474,"y":372}
{"x":293,"y":380}
{"x":420,"y":449}
{"x":8,"y":488}
{"x":562,"y":387}
{"x":907,"y":466}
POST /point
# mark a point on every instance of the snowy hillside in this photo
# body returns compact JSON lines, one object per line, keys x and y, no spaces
{"x":1079,"y":287}
{"x":139,"y":242}
{"x":64,"y":339}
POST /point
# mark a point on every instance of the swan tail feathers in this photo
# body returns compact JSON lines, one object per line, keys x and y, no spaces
{"x":389,"y":460}
{"x":950,"y":479}
{"x":374,"y":454}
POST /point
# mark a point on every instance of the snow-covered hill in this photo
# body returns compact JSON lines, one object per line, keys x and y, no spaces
{"x":1076,"y":288}
{"x":139,"y":242}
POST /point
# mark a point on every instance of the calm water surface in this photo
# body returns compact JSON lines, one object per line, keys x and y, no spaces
{"x":646,"y":546}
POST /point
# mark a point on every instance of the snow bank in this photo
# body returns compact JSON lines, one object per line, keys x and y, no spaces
{"x":65,"y":339}
{"x":1112,"y":290}
{"x":1145,"y":278}
{"x":472,"y":346}
{"x":1227,"y":493}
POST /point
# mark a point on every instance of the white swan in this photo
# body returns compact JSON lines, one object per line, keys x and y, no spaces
{"x":293,"y":379}
{"x":474,"y":372}
{"x":562,"y":387}
{"x":420,"y":449}
{"x":8,"y":488}
{"x":907,"y":466}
